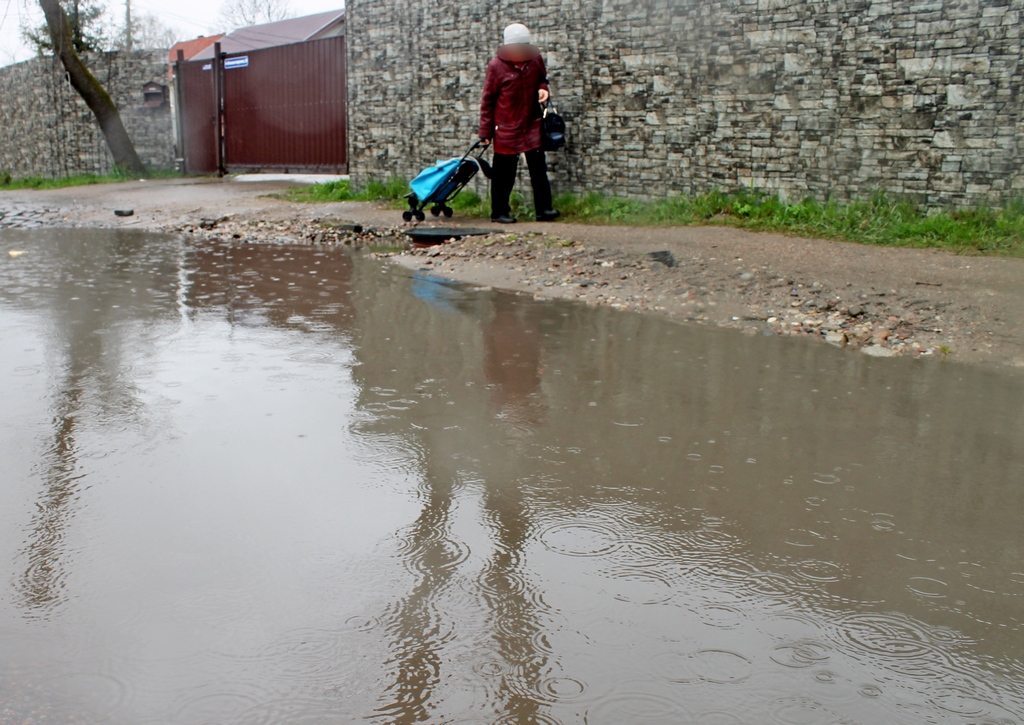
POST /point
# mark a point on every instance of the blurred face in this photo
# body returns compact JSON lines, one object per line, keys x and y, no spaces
{"x":518,"y":53}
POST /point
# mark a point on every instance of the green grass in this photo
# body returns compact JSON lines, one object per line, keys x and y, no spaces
{"x":7,"y":183}
{"x":882,"y":219}
{"x":391,"y":190}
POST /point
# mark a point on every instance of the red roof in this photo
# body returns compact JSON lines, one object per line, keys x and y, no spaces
{"x":283,"y":32}
{"x":191,"y":47}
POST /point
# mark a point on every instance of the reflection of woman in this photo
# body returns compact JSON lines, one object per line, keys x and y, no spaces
{"x":512,"y":363}
{"x":510,"y":117}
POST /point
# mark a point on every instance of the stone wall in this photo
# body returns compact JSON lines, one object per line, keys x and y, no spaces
{"x":47,"y":130}
{"x":801,"y":97}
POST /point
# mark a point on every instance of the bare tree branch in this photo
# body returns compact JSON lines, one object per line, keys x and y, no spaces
{"x":236,"y":14}
{"x":148,"y":33}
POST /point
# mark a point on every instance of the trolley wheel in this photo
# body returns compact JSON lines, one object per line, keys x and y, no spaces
{"x":435,"y":210}
{"x":448,"y":211}
{"x":407,"y":215}
{"x":420,"y":216}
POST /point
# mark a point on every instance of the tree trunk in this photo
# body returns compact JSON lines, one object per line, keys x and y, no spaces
{"x":91,"y":91}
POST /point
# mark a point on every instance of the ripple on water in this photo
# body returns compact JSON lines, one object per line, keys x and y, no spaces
{"x":491,"y":668}
{"x":819,"y":571}
{"x":434,"y":554}
{"x":300,"y":710}
{"x":826,"y":677}
{"x":870,"y":691}
{"x":959,"y":700}
{"x":804,"y":538}
{"x":634,"y":707}
{"x":803,"y":711}
{"x":774,"y":585}
{"x":362,"y":623}
{"x":310,"y":356}
{"x":310,"y":654}
{"x":609,"y":633}
{"x":641,"y":587}
{"x":721,"y":616}
{"x":801,"y":653}
{"x":400,"y":404}
{"x":655,"y":552}
{"x":714,"y":666}
{"x":720,"y":717}
{"x":522,"y":718}
{"x":213,"y":704}
{"x":882,"y":522}
{"x":501,"y":583}
{"x":894,"y":640}
{"x":712,"y":540}
{"x":43,"y":585}
{"x":561,"y":689}
{"x":95,"y":694}
{"x":525,"y":629}
{"x":582,"y":538}
{"x":827,"y":479}
{"x":927,"y":587}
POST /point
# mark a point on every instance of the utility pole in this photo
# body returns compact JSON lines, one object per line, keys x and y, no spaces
{"x":76,"y":24}
{"x":128,"y":32}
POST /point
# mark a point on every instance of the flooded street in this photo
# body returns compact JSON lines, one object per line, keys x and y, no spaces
{"x":261,"y":485}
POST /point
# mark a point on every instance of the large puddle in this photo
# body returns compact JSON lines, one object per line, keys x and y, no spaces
{"x":262,"y":485}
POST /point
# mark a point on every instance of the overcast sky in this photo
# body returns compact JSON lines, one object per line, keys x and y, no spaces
{"x":189,"y":17}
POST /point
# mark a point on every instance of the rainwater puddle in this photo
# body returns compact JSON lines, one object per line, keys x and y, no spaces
{"x":248,"y":485}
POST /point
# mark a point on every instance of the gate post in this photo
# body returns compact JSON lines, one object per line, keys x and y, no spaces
{"x":218,"y":90}
{"x":179,"y":110}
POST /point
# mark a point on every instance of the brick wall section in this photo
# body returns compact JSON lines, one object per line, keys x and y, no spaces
{"x":836,"y":97}
{"x":47,"y":130}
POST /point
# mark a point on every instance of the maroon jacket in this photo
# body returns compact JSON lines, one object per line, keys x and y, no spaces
{"x":509,"y":112}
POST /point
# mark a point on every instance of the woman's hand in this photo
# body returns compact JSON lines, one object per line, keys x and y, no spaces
{"x":543,"y":95}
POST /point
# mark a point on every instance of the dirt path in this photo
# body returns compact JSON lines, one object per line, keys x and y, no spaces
{"x":882,"y":301}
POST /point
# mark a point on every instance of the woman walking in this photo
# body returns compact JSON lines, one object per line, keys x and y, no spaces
{"x":510,"y":118}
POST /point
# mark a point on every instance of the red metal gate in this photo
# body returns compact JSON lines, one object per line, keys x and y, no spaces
{"x":283,"y":108}
{"x":197,"y":111}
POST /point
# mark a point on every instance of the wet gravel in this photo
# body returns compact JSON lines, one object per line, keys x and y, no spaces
{"x":327,"y":231}
{"x":28,"y":217}
{"x":756,"y":299}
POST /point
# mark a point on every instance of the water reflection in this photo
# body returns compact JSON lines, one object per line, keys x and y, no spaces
{"x":683,"y":511}
{"x":283,"y":485}
{"x":512,"y":362}
{"x":459,"y":575}
{"x":85,"y":292}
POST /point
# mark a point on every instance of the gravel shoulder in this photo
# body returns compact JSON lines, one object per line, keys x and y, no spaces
{"x":880,"y":301}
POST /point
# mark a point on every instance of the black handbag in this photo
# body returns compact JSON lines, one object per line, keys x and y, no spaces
{"x":552,"y":129}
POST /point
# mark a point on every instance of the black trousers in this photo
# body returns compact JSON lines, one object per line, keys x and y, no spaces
{"x":504,"y":179}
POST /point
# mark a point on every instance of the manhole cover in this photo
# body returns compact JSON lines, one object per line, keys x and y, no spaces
{"x":428,"y":236}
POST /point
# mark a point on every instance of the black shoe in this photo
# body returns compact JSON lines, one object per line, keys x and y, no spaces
{"x":548,"y":216}
{"x":504,"y":219}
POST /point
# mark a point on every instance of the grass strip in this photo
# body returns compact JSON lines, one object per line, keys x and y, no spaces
{"x":8,"y":183}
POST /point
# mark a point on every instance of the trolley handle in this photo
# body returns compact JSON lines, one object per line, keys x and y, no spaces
{"x":479,"y":142}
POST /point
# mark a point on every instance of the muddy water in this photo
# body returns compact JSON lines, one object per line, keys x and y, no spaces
{"x":264,"y":485}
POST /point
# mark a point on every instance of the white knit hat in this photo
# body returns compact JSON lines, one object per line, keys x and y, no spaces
{"x":517,"y":34}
